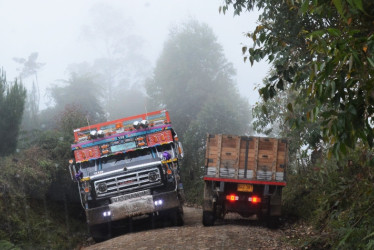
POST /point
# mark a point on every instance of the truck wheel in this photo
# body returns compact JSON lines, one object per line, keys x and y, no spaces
{"x":208,"y":218}
{"x":100,"y":232}
{"x":176,"y":217}
{"x":272,"y":222}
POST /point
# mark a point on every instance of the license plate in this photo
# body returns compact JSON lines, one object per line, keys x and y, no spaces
{"x":132,"y":207}
{"x":245,"y":188}
{"x":130,"y":196}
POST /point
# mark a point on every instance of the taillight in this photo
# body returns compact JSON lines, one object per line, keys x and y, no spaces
{"x":254,"y":199}
{"x":232,"y":197}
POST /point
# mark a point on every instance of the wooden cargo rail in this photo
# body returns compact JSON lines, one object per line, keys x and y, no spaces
{"x":246,"y":159}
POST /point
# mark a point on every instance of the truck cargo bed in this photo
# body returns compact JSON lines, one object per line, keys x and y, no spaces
{"x":246,"y":159}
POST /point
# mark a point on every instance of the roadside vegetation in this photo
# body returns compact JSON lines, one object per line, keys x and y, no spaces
{"x":319,"y":95}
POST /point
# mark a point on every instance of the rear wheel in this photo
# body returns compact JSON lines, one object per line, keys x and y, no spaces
{"x":208,"y":218}
{"x":272,"y":222}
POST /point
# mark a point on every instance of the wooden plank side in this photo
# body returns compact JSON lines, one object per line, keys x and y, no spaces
{"x":266,"y":144}
{"x":229,"y":158}
{"x":282,"y":156}
{"x":234,"y":153}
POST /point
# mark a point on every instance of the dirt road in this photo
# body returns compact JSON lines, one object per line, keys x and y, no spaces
{"x":232,"y":233}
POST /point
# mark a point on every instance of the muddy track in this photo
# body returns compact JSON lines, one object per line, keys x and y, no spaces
{"x":232,"y":233}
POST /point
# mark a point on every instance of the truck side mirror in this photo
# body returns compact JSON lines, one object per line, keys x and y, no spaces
{"x":73,"y":172}
{"x":180,"y":148}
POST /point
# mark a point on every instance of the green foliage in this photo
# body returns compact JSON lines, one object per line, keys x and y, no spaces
{"x":322,"y":57}
{"x":37,"y":198}
{"x":30,"y":119}
{"x":193,"y":80}
{"x":38,"y":202}
{"x":325,"y":52}
{"x":70,"y":118}
{"x":337,"y":198}
{"x":6,"y":245}
{"x":12,"y":101}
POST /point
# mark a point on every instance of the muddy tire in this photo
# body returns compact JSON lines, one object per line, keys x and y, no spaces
{"x":101,"y":232}
{"x":176,"y":217}
{"x":208,"y":218}
{"x":272,"y":222}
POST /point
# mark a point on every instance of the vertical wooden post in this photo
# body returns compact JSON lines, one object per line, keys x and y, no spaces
{"x":236,"y":165}
{"x":219,"y":149}
{"x":246,"y":157}
{"x":285,"y":161}
{"x":207,"y":154}
{"x":275,"y":159}
{"x":257,"y":142}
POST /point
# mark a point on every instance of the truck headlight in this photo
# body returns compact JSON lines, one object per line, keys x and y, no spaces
{"x":102,"y":187}
{"x":152,"y":176}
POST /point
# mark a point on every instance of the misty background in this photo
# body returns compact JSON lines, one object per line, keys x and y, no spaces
{"x":77,"y":36}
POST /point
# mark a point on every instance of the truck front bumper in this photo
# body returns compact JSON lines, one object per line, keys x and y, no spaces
{"x":132,"y":207}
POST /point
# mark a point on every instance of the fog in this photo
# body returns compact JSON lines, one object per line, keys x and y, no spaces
{"x":58,"y":31}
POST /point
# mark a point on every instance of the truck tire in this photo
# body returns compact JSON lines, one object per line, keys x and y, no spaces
{"x":176,"y":217}
{"x":208,"y":218}
{"x":100,"y":232}
{"x":272,"y":222}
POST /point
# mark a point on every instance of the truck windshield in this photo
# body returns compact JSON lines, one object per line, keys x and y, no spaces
{"x":86,"y":167}
{"x":130,"y":157}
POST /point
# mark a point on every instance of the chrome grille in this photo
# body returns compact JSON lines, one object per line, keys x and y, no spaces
{"x":128,"y":182}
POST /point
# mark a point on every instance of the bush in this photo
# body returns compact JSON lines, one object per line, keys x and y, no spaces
{"x":338,"y":199}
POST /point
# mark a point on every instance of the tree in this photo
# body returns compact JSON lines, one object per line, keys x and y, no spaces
{"x":325,"y":48}
{"x":271,"y":118}
{"x":121,"y":67}
{"x":30,"y":68}
{"x":190,"y":71}
{"x":81,"y":91}
{"x":194,"y":81}
{"x":323,"y":52}
{"x":12,"y":102}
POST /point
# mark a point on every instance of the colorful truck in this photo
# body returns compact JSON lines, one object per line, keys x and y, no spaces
{"x":244,"y":175}
{"x":127,"y":168}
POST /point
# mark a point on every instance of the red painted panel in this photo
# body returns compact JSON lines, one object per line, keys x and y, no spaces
{"x":87,"y":154}
{"x":159,"y":138}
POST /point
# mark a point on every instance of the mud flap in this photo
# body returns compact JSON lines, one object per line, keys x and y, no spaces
{"x":276,"y":203}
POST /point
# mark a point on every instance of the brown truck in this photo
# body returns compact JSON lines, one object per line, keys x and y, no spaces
{"x":244,"y":175}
